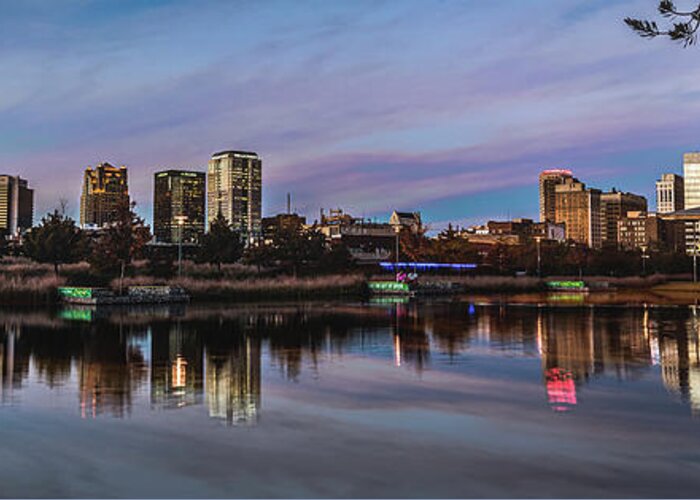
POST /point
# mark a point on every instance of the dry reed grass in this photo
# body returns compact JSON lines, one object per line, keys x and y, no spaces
{"x":15,"y":289}
{"x":280,"y":286}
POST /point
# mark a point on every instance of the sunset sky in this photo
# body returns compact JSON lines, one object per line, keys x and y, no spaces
{"x":448,"y":107}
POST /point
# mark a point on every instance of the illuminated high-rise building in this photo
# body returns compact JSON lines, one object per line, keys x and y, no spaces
{"x":578,"y":208}
{"x":691,"y":180}
{"x":16,"y":205}
{"x":178,"y":206}
{"x":670,"y":194}
{"x":105,"y":188}
{"x":234,"y":190}
{"x":549,"y":179}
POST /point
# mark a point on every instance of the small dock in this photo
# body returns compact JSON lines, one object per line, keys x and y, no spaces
{"x":569,"y":286}
{"x":133,"y":295}
{"x":390,"y":288}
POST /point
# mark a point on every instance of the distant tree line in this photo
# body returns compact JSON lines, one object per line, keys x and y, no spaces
{"x":111,"y":252}
{"x":295,"y":250}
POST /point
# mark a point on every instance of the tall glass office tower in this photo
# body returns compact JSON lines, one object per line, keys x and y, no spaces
{"x":234,"y":190}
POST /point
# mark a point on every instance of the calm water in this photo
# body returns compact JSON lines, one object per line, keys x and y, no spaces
{"x":412,"y":399}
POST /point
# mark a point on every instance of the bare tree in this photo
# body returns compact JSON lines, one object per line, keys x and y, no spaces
{"x":62,"y":206}
{"x":683,"y":24}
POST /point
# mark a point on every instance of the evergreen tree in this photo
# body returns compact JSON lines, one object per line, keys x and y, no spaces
{"x":123,"y":241}
{"x":56,"y":240}
{"x":221,"y":244}
{"x":295,"y":249}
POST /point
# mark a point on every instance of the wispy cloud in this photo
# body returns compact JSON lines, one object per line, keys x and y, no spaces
{"x":370,"y":105}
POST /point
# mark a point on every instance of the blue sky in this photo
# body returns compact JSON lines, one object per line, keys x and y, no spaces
{"x":449,"y":107}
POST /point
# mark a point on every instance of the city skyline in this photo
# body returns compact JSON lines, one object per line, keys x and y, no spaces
{"x":285,"y":92}
{"x":250,"y":173}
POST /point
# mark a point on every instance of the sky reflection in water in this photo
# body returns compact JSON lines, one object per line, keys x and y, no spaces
{"x":323,"y":400}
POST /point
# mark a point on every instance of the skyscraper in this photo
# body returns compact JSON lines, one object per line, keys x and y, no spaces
{"x":691,"y":181}
{"x":579,"y":209}
{"x":178,"y":206}
{"x":104,"y":188}
{"x":613,"y":207}
{"x":234,"y":190}
{"x":549,"y":179}
{"x":16,"y":205}
{"x":669,"y":194}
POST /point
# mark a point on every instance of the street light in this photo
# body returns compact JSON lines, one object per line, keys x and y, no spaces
{"x":397,"y":231}
{"x":644,"y":260}
{"x":180,"y":219}
{"x":695,"y":252}
{"x":538,"y":239}
{"x":695,"y":262}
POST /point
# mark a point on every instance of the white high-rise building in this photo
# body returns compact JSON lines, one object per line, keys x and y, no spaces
{"x":669,"y":194}
{"x":691,"y":174}
{"x":234,"y":190}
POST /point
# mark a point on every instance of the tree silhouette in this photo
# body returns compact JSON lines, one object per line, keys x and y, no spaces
{"x":221,"y":244}
{"x":121,"y":242}
{"x":293,"y":249}
{"x":57,"y":240}
{"x":684,"y":24}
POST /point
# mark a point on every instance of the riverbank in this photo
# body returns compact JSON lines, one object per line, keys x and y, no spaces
{"x":23,"y":282}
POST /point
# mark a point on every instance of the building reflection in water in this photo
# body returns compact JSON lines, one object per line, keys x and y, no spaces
{"x":566,"y":344}
{"x":111,"y":368}
{"x":411,"y":333}
{"x":561,"y":389}
{"x":176,"y":367}
{"x":586,"y":343}
{"x":233,"y":382}
{"x":679,"y":353}
{"x":214,"y":362}
{"x":7,"y":362}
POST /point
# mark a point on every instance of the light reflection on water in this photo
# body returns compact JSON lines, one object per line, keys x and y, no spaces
{"x":406,"y":368}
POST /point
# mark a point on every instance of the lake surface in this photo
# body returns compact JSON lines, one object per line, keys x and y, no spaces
{"x":414,"y":399}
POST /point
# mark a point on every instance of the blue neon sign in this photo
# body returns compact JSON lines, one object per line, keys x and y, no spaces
{"x":425,"y":266}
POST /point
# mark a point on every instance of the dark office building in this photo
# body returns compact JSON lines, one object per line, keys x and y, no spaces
{"x":272,"y":226}
{"x":613,"y":207}
{"x":178,"y":206}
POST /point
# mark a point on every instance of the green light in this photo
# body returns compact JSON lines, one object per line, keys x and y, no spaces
{"x":75,"y":292}
{"x":388,"y":286}
{"x":576,"y":285}
{"x":567,"y":297}
{"x":76,"y":314}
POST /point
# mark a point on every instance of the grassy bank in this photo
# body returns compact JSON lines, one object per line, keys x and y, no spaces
{"x":513,"y":284}
{"x":280,"y":287}
{"x":23,"y":282}
{"x":29,"y":283}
